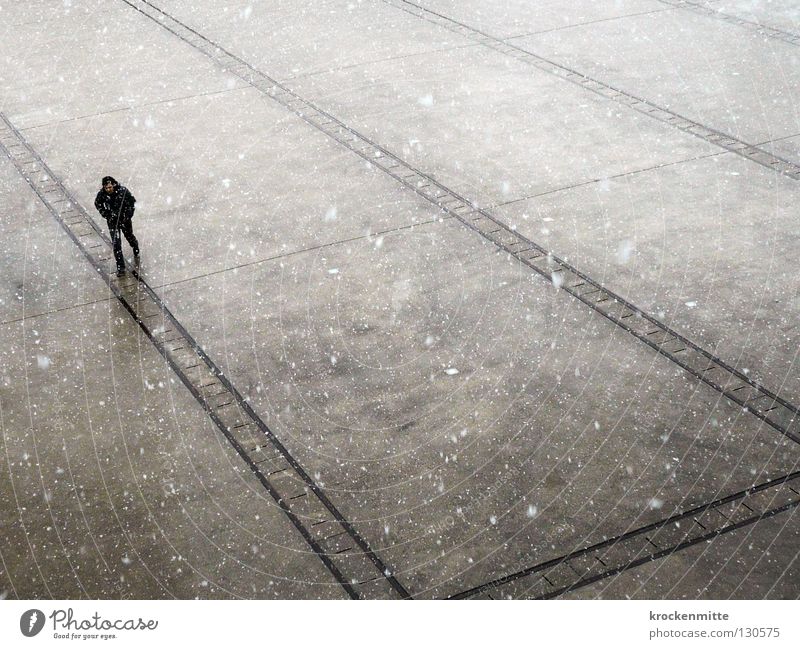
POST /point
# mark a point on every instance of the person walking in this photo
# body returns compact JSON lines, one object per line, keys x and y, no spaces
{"x":116,"y":205}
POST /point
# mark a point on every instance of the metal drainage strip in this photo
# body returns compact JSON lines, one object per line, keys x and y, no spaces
{"x":713,"y":136}
{"x":343,"y":551}
{"x":611,"y":557}
{"x":737,"y":387}
{"x":703,"y":10}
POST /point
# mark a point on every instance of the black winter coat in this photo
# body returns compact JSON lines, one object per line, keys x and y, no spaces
{"x":117,"y":207}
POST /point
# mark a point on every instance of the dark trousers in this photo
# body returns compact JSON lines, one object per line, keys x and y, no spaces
{"x":122,"y":227}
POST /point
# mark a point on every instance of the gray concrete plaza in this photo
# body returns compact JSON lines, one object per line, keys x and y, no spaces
{"x":437,"y":298}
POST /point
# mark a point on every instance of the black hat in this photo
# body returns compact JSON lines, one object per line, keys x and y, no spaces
{"x":109,"y":179}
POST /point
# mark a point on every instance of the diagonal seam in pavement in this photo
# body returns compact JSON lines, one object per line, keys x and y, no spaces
{"x":756,"y":399}
{"x":654,"y":541}
{"x":644,"y":106}
{"x":759,"y":28}
{"x":361,"y":573}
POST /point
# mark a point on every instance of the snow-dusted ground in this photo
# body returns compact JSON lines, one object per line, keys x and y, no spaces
{"x":468,"y":418}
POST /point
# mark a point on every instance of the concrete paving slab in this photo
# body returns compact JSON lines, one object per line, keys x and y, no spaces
{"x":770,"y":13}
{"x":467,"y":417}
{"x":293,"y":38}
{"x":691,"y":244}
{"x":521,"y":400}
{"x":517,"y":17}
{"x":493,"y":128}
{"x":87,"y":65}
{"x":786,"y":147}
{"x":45,"y":13}
{"x":757,"y":562}
{"x":225,"y":180}
{"x":747,"y":88}
{"x":40,"y":269}
{"x":116,"y":484}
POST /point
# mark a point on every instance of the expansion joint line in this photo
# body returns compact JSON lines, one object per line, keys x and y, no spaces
{"x":700,"y":363}
{"x":764,"y":30}
{"x":648,"y":543}
{"x":343,"y":551}
{"x":713,"y":136}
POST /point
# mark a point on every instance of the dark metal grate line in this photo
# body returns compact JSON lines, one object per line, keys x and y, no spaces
{"x":351,"y":567}
{"x":763,"y":30}
{"x":772,"y":409}
{"x":580,"y":568}
{"x":718,"y":138}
